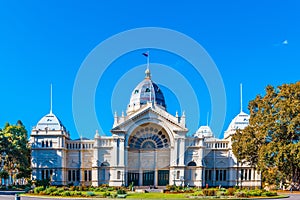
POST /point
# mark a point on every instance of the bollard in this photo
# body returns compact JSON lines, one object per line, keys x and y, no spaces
{"x":17,"y":197}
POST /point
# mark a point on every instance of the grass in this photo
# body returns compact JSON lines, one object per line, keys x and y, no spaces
{"x":155,"y":196}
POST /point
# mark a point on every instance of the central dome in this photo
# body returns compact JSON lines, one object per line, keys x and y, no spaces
{"x":146,"y":91}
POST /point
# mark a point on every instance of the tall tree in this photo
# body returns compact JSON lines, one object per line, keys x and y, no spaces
{"x":271,"y":141}
{"x":15,"y":150}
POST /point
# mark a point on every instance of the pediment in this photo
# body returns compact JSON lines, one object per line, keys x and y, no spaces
{"x":151,"y":114}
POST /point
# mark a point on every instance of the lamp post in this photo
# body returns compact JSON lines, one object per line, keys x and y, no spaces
{"x":122,"y":174}
{"x":174,"y":174}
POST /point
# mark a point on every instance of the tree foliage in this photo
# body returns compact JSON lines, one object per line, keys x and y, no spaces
{"x":15,"y":150}
{"x":271,"y":141}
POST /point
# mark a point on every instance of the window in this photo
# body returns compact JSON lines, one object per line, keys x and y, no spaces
{"x":73,"y":175}
{"x":192,"y":163}
{"x":43,"y":174}
{"x":136,"y":91}
{"x":69,"y":175}
{"x":90,"y":175}
{"x":78,"y":175}
{"x":43,"y":143}
{"x":147,"y":90}
{"x":246,"y":174}
{"x":85,"y":175}
{"x":50,"y":143}
{"x":242,"y":174}
{"x":217,"y":175}
{"x":249,"y":175}
{"x":118,"y":175}
{"x":209,"y":175}
{"x":47,"y":143}
{"x":47,"y":174}
{"x":224,"y":175}
{"x":178,"y":175}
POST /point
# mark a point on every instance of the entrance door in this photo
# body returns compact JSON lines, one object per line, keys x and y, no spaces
{"x":163,"y":177}
{"x":133,"y":177}
{"x":148,"y":178}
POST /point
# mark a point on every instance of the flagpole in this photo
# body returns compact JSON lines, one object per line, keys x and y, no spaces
{"x":148,"y":59}
{"x":51,"y":98}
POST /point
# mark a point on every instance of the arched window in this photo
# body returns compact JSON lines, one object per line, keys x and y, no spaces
{"x":192,"y":163}
{"x":50,"y":143}
{"x":105,"y":164}
{"x":43,"y":143}
{"x":47,"y":143}
{"x":147,"y":90}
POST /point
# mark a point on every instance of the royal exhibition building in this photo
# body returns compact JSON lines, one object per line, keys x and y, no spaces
{"x":148,"y":146}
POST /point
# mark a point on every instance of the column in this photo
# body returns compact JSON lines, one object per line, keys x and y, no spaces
{"x":121,"y":152}
{"x":181,"y":151}
{"x":174,"y":153}
{"x":114,"y":153}
{"x":155,"y":169}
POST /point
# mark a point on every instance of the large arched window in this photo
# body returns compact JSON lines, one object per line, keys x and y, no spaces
{"x":149,"y":137}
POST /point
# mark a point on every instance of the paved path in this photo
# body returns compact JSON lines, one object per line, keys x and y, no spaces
{"x":12,"y":197}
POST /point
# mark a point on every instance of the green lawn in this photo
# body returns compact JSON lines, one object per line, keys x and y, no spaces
{"x":155,"y":196}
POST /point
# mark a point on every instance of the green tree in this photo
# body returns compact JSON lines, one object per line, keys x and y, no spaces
{"x":15,"y":150}
{"x":271,"y":141}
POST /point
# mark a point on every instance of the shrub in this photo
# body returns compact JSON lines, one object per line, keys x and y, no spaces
{"x":50,"y":190}
{"x":56,"y":193}
{"x":241,"y":194}
{"x":72,"y":188}
{"x":269,"y":193}
{"x":66,"y":194}
{"x":197,"y":193}
{"x":61,"y":190}
{"x":230,"y":191}
{"x":255,"y":193}
{"x":121,"y":191}
{"x":37,"y":190}
{"x":43,"y":182}
{"x":106,"y":194}
{"x":209,"y":192}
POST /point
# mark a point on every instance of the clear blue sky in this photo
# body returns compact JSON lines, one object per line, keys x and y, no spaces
{"x":43,"y":42}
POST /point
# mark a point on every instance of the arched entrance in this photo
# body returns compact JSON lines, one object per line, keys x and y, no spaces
{"x":148,"y":156}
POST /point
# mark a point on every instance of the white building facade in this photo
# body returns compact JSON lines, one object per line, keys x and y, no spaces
{"x":148,"y":147}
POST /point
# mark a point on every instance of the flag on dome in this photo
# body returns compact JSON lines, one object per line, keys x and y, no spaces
{"x":146,"y":54}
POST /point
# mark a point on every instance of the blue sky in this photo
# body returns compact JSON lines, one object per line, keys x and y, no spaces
{"x":43,"y":42}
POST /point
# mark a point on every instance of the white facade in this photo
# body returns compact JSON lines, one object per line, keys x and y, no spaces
{"x":148,"y":146}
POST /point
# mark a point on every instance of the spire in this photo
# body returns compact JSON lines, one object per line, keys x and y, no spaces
{"x":207,"y":118}
{"x":147,"y":72}
{"x":51,"y":98}
{"x":241,"y":93}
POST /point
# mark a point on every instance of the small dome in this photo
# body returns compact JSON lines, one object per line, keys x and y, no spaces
{"x":203,"y":131}
{"x":239,"y":122}
{"x":49,"y":122}
{"x":146,"y":91}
